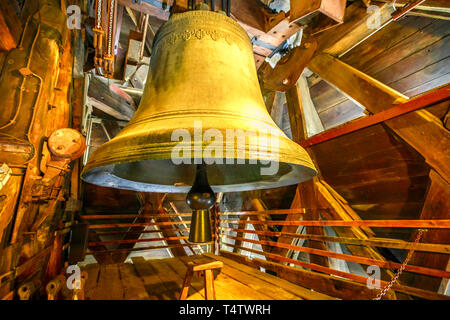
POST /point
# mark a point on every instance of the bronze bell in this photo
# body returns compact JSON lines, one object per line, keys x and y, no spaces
{"x":202,"y":102}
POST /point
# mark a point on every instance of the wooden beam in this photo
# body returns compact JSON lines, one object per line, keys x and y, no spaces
{"x":420,"y":129}
{"x":422,"y":101}
{"x":108,"y":100}
{"x":10,"y":26}
{"x":296,"y":114}
{"x":293,"y":274}
{"x":171,"y":215}
{"x":144,"y":224}
{"x":436,"y":206}
{"x":429,"y":5}
{"x":357,"y":26}
{"x":346,"y":257}
{"x":133,"y":241}
{"x":434,"y":224}
{"x":155,"y":9}
{"x":140,"y":249}
{"x":374,"y":242}
{"x":130,"y":216}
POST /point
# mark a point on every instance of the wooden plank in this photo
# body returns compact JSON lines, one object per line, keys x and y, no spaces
{"x":133,"y":286}
{"x":168,"y":277}
{"x":422,"y":38}
{"x":268,"y":288}
{"x":125,"y":225}
{"x":120,"y":106}
{"x":131,"y":241}
{"x":90,"y":289}
{"x":384,"y":40}
{"x":355,"y":28}
{"x":109,"y":286}
{"x":139,"y":249}
{"x":240,"y":213}
{"x":152,"y":282}
{"x":129,"y":216}
{"x":429,"y":5}
{"x":438,"y":224}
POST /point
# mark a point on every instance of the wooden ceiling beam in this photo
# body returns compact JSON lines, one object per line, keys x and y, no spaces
{"x":358,"y":25}
{"x":110,"y":99}
{"x":155,"y":8}
{"x":420,"y":129}
{"x":416,"y":103}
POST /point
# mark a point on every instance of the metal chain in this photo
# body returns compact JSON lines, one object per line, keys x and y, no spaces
{"x":110,"y":28}
{"x":400,"y":271}
{"x":99,"y":13}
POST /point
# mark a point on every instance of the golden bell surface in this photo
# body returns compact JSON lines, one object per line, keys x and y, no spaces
{"x":202,"y":100}
{"x":200,"y":227}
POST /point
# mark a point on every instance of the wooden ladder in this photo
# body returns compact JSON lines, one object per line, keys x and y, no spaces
{"x":205,"y":269}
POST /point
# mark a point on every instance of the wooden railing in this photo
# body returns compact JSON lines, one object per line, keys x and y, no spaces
{"x":226,"y":223}
{"x":229,"y":225}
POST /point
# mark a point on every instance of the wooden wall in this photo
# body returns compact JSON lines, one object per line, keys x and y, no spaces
{"x":410,"y":55}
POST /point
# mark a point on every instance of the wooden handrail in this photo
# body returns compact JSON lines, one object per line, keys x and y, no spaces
{"x":141,"y":249}
{"x":346,"y":257}
{"x":436,"y":224}
{"x":110,"y":242}
{"x":172,"y":215}
{"x":266,"y":212}
{"x":401,"y":288}
{"x":140,"y":232}
{"x":373,"y":242}
{"x":143,"y":224}
{"x":129,"y":216}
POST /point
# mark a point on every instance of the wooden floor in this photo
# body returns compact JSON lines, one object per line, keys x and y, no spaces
{"x":162,"y":280}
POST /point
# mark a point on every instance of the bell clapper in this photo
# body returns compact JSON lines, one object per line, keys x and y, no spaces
{"x":200,"y":199}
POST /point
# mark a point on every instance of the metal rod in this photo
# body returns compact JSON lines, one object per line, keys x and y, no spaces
{"x":229,"y":8}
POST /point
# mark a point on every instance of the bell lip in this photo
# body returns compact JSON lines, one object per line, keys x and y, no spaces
{"x":102,"y":176}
